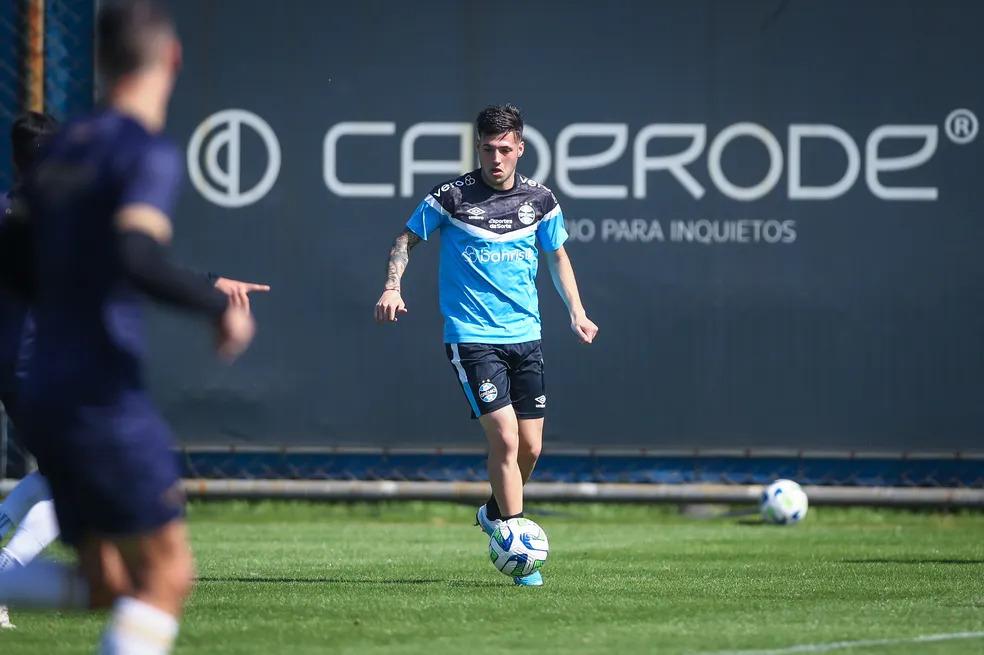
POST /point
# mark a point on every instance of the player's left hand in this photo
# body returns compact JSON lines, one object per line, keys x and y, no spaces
{"x":238,"y":292}
{"x":584,"y":328}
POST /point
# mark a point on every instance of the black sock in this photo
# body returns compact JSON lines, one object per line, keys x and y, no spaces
{"x":514,"y":516}
{"x":492,"y":509}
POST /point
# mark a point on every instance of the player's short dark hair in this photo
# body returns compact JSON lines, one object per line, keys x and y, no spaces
{"x":28,"y":133}
{"x":498,"y":119}
{"x":127,"y":35}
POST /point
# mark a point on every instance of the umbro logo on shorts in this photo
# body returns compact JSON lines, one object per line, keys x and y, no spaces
{"x":541,"y":401}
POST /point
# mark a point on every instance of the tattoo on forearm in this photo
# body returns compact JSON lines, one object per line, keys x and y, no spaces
{"x":399,"y":257}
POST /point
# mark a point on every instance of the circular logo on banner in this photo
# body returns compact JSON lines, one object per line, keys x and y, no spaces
{"x":488,"y":392}
{"x":224,"y":131}
{"x":526,"y":213}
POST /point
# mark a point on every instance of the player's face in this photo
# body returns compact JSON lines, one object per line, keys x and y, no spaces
{"x":498,"y":155}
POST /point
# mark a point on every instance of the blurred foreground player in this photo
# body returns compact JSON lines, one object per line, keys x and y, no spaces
{"x":29,"y":506}
{"x":97,"y":212}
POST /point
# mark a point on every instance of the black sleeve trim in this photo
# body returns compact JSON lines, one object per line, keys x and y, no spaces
{"x":146,"y":265}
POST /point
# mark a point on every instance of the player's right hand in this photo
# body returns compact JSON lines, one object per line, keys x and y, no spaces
{"x":390,"y":307}
{"x":238,"y":291}
{"x":234,"y":332}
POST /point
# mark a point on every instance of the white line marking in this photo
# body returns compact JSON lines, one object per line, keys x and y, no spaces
{"x":837,"y":645}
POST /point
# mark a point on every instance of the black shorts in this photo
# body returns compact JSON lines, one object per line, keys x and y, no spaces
{"x":111,"y":467}
{"x":495,"y":375}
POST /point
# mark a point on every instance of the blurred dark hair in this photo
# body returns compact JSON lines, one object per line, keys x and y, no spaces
{"x":28,"y":133}
{"x":128,"y":34}
{"x":497,"y":119}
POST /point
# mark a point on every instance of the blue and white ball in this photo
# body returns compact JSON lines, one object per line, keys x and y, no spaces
{"x":784,"y":502}
{"x":518,"y":547}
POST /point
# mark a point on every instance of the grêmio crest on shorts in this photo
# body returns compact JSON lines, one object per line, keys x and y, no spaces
{"x":490,"y":243}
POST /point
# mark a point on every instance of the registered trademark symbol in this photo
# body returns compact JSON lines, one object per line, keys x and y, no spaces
{"x":961,"y":126}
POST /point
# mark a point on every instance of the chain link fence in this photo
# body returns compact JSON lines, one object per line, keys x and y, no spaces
{"x":13,"y":25}
{"x":69,"y":36}
{"x":46,"y":62}
{"x":639,"y":467}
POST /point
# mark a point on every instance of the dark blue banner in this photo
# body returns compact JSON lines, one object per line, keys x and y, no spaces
{"x":774,"y":214}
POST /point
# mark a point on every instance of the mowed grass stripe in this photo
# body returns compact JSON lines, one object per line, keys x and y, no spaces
{"x":415,"y":578}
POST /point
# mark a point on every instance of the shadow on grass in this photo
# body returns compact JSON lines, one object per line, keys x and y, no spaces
{"x":911,"y":561}
{"x":476,"y":584}
{"x":246,"y":580}
{"x":755,"y":523}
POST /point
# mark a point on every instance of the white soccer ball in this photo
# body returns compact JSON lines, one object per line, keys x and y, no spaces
{"x":784,"y":502}
{"x":518,"y":547}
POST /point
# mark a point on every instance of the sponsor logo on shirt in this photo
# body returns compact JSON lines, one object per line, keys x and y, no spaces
{"x":475,"y":213}
{"x":468,"y":180}
{"x":474,"y":255}
{"x":500,"y":223}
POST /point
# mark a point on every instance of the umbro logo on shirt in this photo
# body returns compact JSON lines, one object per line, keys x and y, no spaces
{"x":541,"y":401}
{"x":476,"y":213}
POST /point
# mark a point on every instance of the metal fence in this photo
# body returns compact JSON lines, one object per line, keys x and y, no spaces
{"x":46,"y":63}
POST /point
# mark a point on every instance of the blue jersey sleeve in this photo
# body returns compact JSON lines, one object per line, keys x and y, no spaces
{"x":154,"y":178}
{"x":551,"y":232}
{"x":427,"y":218}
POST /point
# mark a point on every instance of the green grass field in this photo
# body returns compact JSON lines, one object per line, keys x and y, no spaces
{"x":278,"y":577}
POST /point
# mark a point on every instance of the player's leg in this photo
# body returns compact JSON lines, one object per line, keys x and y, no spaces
{"x":530,"y":445}
{"x":27,"y":493}
{"x":502,"y":433}
{"x":528,"y":452}
{"x":38,"y":529}
{"x":44,"y":584}
{"x":40,"y":583}
{"x":161,"y":572}
{"x":144,"y":579}
{"x":483,"y":375}
{"x":529,"y":402}
{"x":100,"y":578}
{"x":105,"y":572}
{"x":529,"y":398}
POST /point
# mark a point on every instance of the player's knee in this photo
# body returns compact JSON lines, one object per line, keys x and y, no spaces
{"x":504,"y":446}
{"x":530,"y":451}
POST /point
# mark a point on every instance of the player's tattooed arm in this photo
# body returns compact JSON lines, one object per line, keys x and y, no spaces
{"x":390,"y":304}
{"x":399,"y":257}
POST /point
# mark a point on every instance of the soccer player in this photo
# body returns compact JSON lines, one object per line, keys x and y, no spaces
{"x":29,"y":505}
{"x":98,"y":209}
{"x":490,"y":221}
